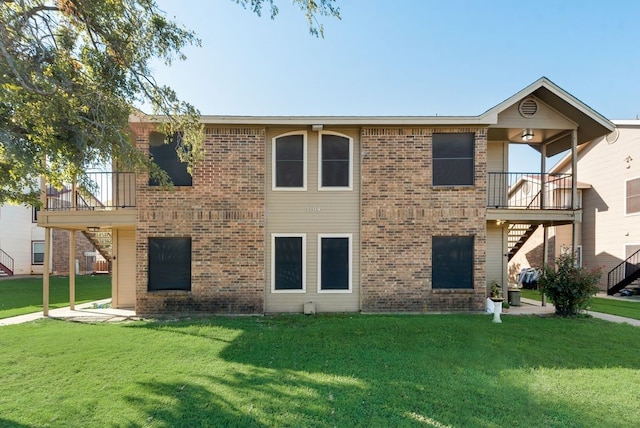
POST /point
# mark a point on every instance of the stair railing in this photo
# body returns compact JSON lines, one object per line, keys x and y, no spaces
{"x":623,"y":271}
{"x":7,"y":261}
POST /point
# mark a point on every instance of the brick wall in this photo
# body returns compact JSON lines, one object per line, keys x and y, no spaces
{"x":60,"y":252}
{"x":401,"y":211}
{"x":223,"y":213}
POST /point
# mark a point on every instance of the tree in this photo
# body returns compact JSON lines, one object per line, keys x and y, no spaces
{"x":71,"y":72}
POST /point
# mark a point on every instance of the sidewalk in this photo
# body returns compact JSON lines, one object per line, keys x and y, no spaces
{"x":86,"y":312}
{"x":534,"y":307}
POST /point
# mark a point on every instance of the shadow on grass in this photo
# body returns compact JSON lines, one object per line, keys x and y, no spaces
{"x":400,"y":370}
{"x":10,"y":424}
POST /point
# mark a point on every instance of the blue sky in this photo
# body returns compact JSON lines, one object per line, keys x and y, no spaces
{"x":407,"y":57}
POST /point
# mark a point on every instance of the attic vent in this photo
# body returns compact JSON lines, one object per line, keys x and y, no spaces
{"x":528,"y":107}
{"x":613,"y":136}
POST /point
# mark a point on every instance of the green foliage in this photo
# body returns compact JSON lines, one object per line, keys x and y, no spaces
{"x":568,"y":287}
{"x":71,"y":72}
{"x":321,"y":371}
{"x":496,"y":290}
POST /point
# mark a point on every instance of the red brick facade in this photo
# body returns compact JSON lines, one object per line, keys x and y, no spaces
{"x":223,"y":213}
{"x":401,"y":211}
{"x":60,"y":253}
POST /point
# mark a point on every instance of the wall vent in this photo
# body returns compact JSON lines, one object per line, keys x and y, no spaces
{"x":528,"y":107}
{"x":612,"y":137}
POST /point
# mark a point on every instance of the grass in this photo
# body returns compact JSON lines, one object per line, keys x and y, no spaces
{"x":340,"y":370}
{"x":20,"y":296}
{"x":622,"y":308}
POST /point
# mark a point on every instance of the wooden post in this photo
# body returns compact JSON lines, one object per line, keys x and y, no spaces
{"x":45,"y":273}
{"x":72,"y":269}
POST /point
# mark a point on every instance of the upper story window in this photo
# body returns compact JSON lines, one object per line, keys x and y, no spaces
{"x":335,"y":162}
{"x":453,"y":159}
{"x":633,"y":196}
{"x":289,"y":161}
{"x":165,"y":156}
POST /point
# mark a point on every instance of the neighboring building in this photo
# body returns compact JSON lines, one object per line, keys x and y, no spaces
{"x":609,"y":235}
{"x":21,"y":241}
{"x":328,"y":214}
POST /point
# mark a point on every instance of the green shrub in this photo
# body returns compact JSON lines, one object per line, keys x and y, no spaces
{"x":568,"y":287}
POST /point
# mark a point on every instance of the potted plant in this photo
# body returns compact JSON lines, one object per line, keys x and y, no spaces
{"x":496,"y":292}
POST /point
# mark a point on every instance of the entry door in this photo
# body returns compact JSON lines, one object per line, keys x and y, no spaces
{"x":125,"y":286}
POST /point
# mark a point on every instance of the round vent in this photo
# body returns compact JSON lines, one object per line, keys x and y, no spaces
{"x":528,"y":107}
{"x":613,"y":136}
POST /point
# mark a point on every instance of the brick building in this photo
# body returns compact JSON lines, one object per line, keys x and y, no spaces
{"x":334,"y":214}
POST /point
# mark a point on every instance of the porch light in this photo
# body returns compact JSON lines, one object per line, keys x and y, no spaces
{"x":527,"y":134}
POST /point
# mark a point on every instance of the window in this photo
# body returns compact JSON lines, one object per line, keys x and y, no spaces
{"x":169,"y":264}
{"x":37,"y":252}
{"x":633,"y":196}
{"x":334,"y":263}
{"x":164,"y":155}
{"x":453,"y":159}
{"x":289,"y":153}
{"x":335,"y":162}
{"x":452,"y":261}
{"x":288,"y":263}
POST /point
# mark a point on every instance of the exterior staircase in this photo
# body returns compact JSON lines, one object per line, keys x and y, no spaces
{"x":102,"y":242}
{"x":6,"y":264}
{"x":624,"y":274}
{"x":517,"y":236}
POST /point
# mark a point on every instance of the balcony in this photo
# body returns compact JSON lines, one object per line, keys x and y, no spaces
{"x":532,"y":197}
{"x":108,"y":200}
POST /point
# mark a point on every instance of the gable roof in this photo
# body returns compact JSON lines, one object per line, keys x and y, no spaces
{"x":590,"y":123}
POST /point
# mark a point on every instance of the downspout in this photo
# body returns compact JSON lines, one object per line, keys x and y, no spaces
{"x":574,"y":188}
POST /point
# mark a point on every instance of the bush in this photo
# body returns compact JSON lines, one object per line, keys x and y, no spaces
{"x":568,"y":287}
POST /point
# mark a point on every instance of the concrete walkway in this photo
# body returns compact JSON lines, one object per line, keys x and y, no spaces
{"x":86,"y":312}
{"x":91,"y":312}
{"x":534,"y":307}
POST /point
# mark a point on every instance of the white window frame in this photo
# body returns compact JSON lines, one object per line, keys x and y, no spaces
{"x":33,"y":252}
{"x":334,"y":188}
{"x":335,"y":235}
{"x":626,"y":213}
{"x":273,"y":262}
{"x":304,"y":163}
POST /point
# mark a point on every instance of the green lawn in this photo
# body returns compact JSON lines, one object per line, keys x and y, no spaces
{"x":24,"y":295}
{"x":623,"y":308}
{"x":317,"y":371}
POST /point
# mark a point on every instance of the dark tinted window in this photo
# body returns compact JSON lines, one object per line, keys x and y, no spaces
{"x":164,"y":155}
{"x":453,"y":159}
{"x":169,"y":264}
{"x":452,"y":261}
{"x":633,"y":196}
{"x":335,"y":161}
{"x":290,"y":161}
{"x":334,"y":265}
{"x":288,"y":263}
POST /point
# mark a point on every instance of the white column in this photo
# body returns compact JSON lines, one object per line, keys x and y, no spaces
{"x":45,"y":273}
{"x":574,"y":187}
{"x":72,"y":269}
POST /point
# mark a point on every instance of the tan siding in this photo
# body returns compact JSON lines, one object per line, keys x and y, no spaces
{"x":312,"y":212}
{"x":497,"y":152}
{"x":496,"y":247}
{"x":606,"y":229}
{"x":545,"y":118}
{"x":124,"y":285}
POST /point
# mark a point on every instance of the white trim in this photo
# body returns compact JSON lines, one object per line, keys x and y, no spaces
{"x":273,"y":262}
{"x":33,"y":252}
{"x":624,"y":249}
{"x":304,"y":163}
{"x":334,"y":188}
{"x":349,"y":236}
{"x":626,"y":213}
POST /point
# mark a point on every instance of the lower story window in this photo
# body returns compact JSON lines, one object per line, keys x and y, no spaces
{"x":288,"y":263}
{"x":334,"y":263}
{"x":452,"y":261}
{"x":37,"y":252}
{"x":169,"y":264}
